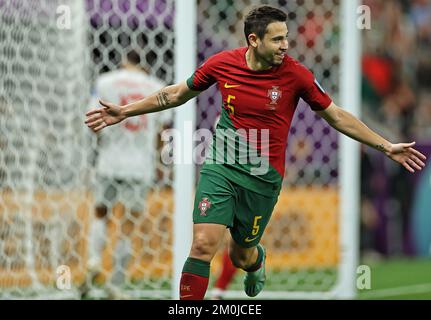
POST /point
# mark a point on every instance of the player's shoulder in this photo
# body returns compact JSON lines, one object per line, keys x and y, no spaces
{"x":156,"y":82}
{"x":293,"y":64}
{"x":145,"y":79}
{"x":131,"y":78}
{"x":300,"y":71}
{"x":233,"y":53}
{"x":107,"y":78}
{"x":227,"y":56}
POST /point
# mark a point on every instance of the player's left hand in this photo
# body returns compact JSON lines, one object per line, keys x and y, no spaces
{"x":405,"y":154}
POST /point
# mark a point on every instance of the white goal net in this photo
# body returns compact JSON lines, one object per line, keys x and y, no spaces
{"x":44,"y":149}
{"x":52,"y":52}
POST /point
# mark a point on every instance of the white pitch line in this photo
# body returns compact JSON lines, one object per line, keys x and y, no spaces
{"x":405,"y":290}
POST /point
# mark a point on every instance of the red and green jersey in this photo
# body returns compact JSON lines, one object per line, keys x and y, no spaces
{"x":255,"y":103}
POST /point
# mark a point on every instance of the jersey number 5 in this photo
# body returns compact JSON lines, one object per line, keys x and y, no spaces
{"x":229,"y":105}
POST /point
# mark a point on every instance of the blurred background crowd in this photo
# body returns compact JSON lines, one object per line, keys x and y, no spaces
{"x":396,"y":83}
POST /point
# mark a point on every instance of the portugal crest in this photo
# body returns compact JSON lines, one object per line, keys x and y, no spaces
{"x":274,"y":94}
{"x":204,"y":205}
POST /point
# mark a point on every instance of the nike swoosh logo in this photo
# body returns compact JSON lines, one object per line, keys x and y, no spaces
{"x":186,"y":296}
{"x":249,"y":240}
{"x":228,"y":86}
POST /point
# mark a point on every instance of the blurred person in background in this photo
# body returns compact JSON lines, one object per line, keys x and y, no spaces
{"x":225,"y":276}
{"x":420,"y":15}
{"x":396,"y":77}
{"x":125,"y":168}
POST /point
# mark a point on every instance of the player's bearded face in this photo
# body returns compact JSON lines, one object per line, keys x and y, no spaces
{"x":274,"y":44}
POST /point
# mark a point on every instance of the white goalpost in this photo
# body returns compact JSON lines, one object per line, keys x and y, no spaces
{"x":185,"y":57}
{"x":350,"y":98}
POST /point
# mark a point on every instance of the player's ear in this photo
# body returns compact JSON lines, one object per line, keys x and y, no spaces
{"x":252,"y":39}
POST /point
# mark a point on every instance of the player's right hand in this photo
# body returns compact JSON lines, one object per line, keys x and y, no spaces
{"x":99,"y":118}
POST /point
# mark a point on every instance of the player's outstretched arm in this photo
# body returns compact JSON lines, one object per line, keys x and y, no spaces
{"x":346,"y":123}
{"x":166,"y":98}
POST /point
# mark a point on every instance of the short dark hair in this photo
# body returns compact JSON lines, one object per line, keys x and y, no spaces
{"x":133,"y":57}
{"x":258,"y":19}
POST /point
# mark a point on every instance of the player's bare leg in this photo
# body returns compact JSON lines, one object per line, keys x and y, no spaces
{"x":242,"y":257}
{"x":122,"y":255}
{"x":225,"y":276}
{"x":97,"y":236}
{"x":96,"y":245}
{"x":251,"y":260}
{"x":207,"y":238}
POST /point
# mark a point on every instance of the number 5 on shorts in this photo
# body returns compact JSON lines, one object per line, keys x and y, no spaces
{"x":255,"y":230}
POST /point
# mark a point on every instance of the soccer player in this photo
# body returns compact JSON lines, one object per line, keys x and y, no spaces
{"x":125,"y":165}
{"x":240,"y":182}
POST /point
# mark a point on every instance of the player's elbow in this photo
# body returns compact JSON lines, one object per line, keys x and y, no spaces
{"x":177,"y":94}
{"x":336,"y":118}
{"x":343,"y":121}
{"x":333,"y":115}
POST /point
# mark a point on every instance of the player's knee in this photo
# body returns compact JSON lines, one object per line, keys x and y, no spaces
{"x":203,"y":247}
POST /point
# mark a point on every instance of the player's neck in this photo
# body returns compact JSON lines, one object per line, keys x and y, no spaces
{"x":131,"y":67}
{"x":254,"y":62}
